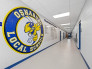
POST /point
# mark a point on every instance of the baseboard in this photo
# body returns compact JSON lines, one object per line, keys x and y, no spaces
{"x":85,"y":61}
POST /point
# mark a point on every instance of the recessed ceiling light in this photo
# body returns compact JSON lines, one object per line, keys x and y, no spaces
{"x":66,"y":24}
{"x":62,"y":15}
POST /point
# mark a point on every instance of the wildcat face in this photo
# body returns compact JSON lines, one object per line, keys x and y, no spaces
{"x":29,"y":27}
{"x":32,"y":29}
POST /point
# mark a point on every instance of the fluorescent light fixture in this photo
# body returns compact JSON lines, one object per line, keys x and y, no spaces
{"x":62,"y":15}
{"x":66,"y":24}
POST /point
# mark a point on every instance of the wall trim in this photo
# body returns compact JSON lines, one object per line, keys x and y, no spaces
{"x":85,"y":61}
{"x":13,"y":65}
{"x":60,"y":36}
{"x":79,"y":35}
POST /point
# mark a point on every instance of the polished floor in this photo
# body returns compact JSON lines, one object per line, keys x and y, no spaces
{"x":63,"y":55}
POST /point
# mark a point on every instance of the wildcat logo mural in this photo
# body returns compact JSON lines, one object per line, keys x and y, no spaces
{"x":23,"y":30}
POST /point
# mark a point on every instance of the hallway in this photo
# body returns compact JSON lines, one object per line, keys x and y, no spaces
{"x":63,"y":55}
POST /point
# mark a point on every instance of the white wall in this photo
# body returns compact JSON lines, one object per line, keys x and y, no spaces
{"x":7,"y":55}
{"x":86,"y":34}
{"x":76,"y":31}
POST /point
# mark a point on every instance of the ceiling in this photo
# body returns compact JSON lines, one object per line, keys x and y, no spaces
{"x":48,"y":8}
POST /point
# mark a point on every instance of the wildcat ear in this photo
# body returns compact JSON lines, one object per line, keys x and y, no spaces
{"x":36,"y":25}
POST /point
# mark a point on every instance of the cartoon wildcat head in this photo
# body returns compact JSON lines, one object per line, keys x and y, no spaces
{"x":32,"y":28}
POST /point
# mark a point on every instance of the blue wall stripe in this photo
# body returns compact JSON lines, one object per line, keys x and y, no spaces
{"x":85,"y":61}
{"x":79,"y":35}
{"x":63,"y":35}
{"x":0,"y":23}
{"x":11,"y":66}
{"x":60,"y":35}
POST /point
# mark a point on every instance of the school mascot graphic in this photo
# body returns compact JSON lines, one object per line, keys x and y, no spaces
{"x":23,"y":30}
{"x":31,"y":28}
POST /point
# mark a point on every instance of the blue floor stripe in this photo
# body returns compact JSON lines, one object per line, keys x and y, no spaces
{"x":11,"y":66}
{"x":85,"y":61}
{"x":0,"y":23}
